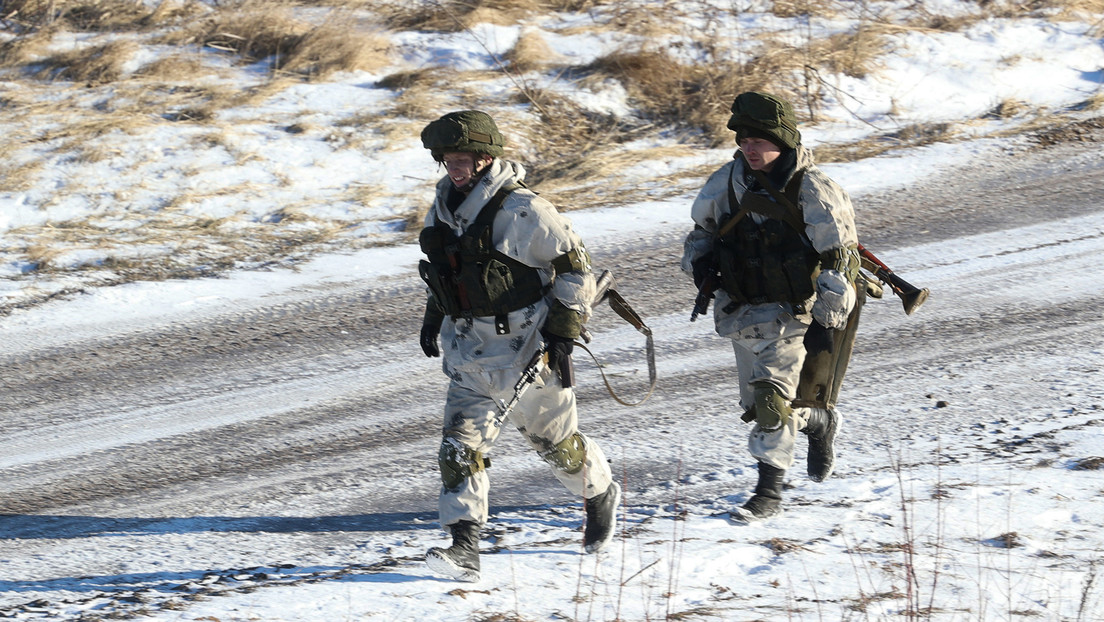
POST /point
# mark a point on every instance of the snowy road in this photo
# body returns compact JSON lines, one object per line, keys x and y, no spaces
{"x":288,"y":428}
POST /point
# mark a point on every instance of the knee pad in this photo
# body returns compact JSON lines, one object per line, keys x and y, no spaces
{"x":458,"y":462}
{"x":568,"y":455}
{"x":772,"y":411}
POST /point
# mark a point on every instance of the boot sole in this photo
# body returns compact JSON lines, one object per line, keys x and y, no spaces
{"x":442,"y":564}
{"x":594,"y":547}
{"x":743,"y":517}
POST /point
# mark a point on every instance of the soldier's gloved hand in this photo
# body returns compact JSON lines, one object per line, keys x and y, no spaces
{"x":818,"y":339}
{"x":557,"y":347}
{"x":429,"y":339}
{"x":704,"y":268}
{"x":835,"y":298}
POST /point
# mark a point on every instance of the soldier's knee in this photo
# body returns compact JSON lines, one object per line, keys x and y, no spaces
{"x":772,"y":410}
{"x":458,"y":462}
{"x":568,"y":455}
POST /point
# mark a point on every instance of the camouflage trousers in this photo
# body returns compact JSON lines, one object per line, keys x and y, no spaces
{"x":770,"y":349}
{"x":547,"y":418}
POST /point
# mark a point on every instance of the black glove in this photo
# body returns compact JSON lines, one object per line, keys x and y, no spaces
{"x":704,"y":268}
{"x":818,"y":339}
{"x":559,"y":351}
{"x":429,"y":339}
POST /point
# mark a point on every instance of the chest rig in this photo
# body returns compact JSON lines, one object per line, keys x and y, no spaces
{"x":768,"y":261}
{"x":772,"y":261}
{"x":469,"y":277}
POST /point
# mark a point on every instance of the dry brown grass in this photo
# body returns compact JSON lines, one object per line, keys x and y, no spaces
{"x":96,"y":65}
{"x":457,"y":15}
{"x":908,"y":136}
{"x":530,"y":52}
{"x":259,"y":29}
{"x":799,"y":8}
{"x":254,"y":30}
{"x":333,"y":47}
{"x":96,"y":15}
{"x":176,"y":68}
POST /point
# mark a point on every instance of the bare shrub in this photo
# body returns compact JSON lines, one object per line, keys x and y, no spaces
{"x":852,"y":54}
{"x":96,"y":65}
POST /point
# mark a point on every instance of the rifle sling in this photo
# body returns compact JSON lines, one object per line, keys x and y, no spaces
{"x":784,"y":207}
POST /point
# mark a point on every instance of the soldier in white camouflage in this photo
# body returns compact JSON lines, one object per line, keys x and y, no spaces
{"x":779,"y":238}
{"x":506,"y":272}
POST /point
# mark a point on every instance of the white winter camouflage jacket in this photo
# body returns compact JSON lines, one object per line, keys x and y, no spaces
{"x":829,"y":224}
{"x":530,"y":230}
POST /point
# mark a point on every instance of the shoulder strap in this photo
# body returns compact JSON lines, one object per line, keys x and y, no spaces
{"x":733,"y":204}
{"x":790,"y":212}
{"x":487,"y":214}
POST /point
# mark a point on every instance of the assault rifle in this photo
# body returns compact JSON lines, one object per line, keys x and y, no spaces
{"x":705,"y":294}
{"x":537,"y":362}
{"x":911,"y":296}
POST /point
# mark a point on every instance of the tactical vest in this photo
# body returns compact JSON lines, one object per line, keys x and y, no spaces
{"x":768,"y":261}
{"x":469,"y":277}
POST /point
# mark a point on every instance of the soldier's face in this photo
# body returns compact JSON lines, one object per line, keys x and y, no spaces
{"x":760,"y":153}
{"x":463,"y":167}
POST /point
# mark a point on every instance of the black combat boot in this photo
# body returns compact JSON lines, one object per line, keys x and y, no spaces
{"x":601,"y":518}
{"x":822,"y":427}
{"x":461,"y":560}
{"x":767,"y":500}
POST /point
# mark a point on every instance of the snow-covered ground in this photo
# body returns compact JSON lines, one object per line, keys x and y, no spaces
{"x":978,"y":499}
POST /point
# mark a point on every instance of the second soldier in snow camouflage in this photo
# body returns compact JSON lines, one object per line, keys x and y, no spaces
{"x":779,"y":236}
{"x":506,"y":273}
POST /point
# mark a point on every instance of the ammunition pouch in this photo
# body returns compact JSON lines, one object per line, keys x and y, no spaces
{"x":469,"y":277}
{"x":766,"y":262}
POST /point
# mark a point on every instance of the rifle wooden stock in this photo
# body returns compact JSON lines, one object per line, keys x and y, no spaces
{"x":911,"y":296}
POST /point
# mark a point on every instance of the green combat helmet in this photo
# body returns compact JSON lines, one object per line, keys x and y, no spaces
{"x":467,"y":130}
{"x":759,"y":115}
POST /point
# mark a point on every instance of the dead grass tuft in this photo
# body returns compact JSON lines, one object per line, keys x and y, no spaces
{"x":175,"y":68}
{"x":908,"y":136}
{"x":332,"y":47}
{"x":97,"y":65}
{"x":853,"y":54}
{"x":1008,"y":108}
{"x":18,"y":177}
{"x":458,"y":15}
{"x":530,"y":52}
{"x":260,"y":29}
{"x":31,"y":46}
{"x":800,"y":8}
{"x":255,"y":30}
{"x":674,"y":95}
